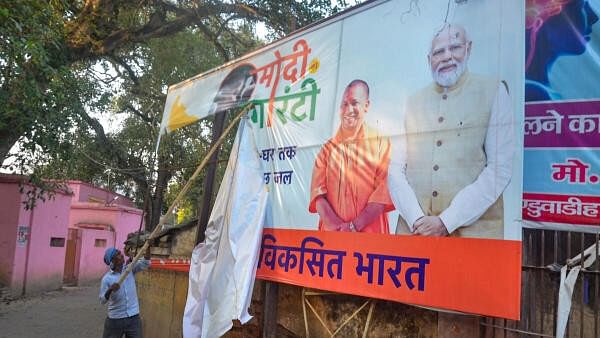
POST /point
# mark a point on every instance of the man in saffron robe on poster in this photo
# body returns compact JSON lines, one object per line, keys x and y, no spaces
{"x":349,"y":179}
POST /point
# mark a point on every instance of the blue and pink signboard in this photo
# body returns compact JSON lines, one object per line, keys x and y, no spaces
{"x":561,"y":179}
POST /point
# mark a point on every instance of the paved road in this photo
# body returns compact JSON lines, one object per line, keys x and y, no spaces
{"x":71,"y":312}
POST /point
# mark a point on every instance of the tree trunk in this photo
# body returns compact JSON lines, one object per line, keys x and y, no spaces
{"x":7,"y":141}
{"x":164,"y":175}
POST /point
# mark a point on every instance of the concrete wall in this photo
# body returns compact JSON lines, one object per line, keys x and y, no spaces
{"x":117,"y":221}
{"x":9,"y":211}
{"x":40,"y":265}
{"x":93,"y":213}
{"x":85,"y":192}
{"x":127,"y":221}
{"x":91,"y":264}
{"x":183,"y":243}
{"x":163,"y":294}
{"x":122,"y":220}
{"x":113,"y":223}
{"x":35,"y":265}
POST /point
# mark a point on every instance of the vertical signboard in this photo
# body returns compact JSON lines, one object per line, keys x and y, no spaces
{"x":561,"y":186}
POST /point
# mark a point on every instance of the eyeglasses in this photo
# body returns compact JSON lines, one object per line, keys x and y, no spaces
{"x":455,"y":49}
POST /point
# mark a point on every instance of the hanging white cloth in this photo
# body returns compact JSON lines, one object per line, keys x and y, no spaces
{"x":567,"y":285}
{"x":223,"y":267}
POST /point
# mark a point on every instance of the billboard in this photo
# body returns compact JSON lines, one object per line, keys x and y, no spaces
{"x":562,"y":116}
{"x":390,"y":143}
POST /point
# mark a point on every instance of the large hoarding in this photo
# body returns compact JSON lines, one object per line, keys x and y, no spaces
{"x":390,"y":141}
{"x":562,"y":116}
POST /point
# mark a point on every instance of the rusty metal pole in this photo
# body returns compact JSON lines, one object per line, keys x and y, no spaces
{"x":209,"y":179}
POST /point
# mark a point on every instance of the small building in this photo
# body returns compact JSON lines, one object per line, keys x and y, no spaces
{"x":62,"y":239}
{"x":98,"y":219}
{"x":32,"y":242}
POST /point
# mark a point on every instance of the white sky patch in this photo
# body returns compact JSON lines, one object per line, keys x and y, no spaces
{"x":110,"y":121}
{"x":261,"y":30}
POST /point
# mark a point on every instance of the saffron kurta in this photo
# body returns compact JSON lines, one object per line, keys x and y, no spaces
{"x":352,"y":173}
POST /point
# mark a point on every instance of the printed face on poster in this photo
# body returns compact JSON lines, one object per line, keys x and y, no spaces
{"x":376,"y":130}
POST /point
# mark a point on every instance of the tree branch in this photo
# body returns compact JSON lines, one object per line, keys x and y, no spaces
{"x":108,"y":145}
{"x":86,"y":42}
{"x":117,"y":61}
{"x":215,"y":40}
{"x":145,"y":117}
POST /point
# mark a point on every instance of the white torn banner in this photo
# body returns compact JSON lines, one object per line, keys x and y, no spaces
{"x":567,"y":285}
{"x":223,"y":267}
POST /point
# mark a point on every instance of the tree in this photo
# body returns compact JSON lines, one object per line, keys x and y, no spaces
{"x":125,"y":155}
{"x":59,"y":60}
{"x":43,"y":43}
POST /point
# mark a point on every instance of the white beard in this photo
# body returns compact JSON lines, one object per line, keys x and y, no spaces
{"x":448,"y":79}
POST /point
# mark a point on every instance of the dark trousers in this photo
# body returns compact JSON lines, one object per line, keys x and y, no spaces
{"x":131,"y":327}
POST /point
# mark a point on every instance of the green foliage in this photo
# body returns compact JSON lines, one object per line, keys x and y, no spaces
{"x":284,"y":17}
{"x":38,"y":90}
{"x":66,"y":65}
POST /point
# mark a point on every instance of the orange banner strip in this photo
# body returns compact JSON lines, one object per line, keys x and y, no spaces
{"x":479,"y":276}
{"x":170,"y":264}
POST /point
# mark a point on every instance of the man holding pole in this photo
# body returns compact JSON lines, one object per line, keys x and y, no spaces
{"x":123,"y":307}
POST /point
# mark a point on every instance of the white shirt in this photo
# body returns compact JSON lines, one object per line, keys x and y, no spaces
{"x":473,"y":200}
{"x":122,"y":303}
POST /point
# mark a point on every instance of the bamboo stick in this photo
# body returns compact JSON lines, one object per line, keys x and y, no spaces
{"x":183,"y":191}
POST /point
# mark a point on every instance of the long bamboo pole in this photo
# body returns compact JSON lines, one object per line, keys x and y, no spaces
{"x":184,"y":190}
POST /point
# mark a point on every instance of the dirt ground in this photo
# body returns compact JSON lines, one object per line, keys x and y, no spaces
{"x":70,"y":312}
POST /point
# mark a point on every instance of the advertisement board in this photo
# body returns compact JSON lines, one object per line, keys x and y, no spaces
{"x":562,"y":116}
{"x":391,"y":146}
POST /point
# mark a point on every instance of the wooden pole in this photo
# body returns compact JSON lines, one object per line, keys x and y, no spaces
{"x":183,"y":191}
{"x":270,"y":310}
{"x":209,"y":179}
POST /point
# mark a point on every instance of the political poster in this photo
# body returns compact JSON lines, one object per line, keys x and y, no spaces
{"x":390,"y":142}
{"x":22,"y":235}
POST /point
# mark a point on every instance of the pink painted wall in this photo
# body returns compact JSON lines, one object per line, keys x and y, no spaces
{"x":127,"y":222}
{"x":118,"y":222}
{"x":36,"y":265}
{"x":91,"y":263}
{"x":85,"y":192}
{"x":121,"y":219}
{"x":9,"y":209}
{"x":45,"y":265}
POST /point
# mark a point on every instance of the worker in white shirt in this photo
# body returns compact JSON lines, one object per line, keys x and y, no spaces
{"x":449,"y":168}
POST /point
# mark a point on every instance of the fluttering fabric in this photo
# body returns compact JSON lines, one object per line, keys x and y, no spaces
{"x":223,"y":267}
